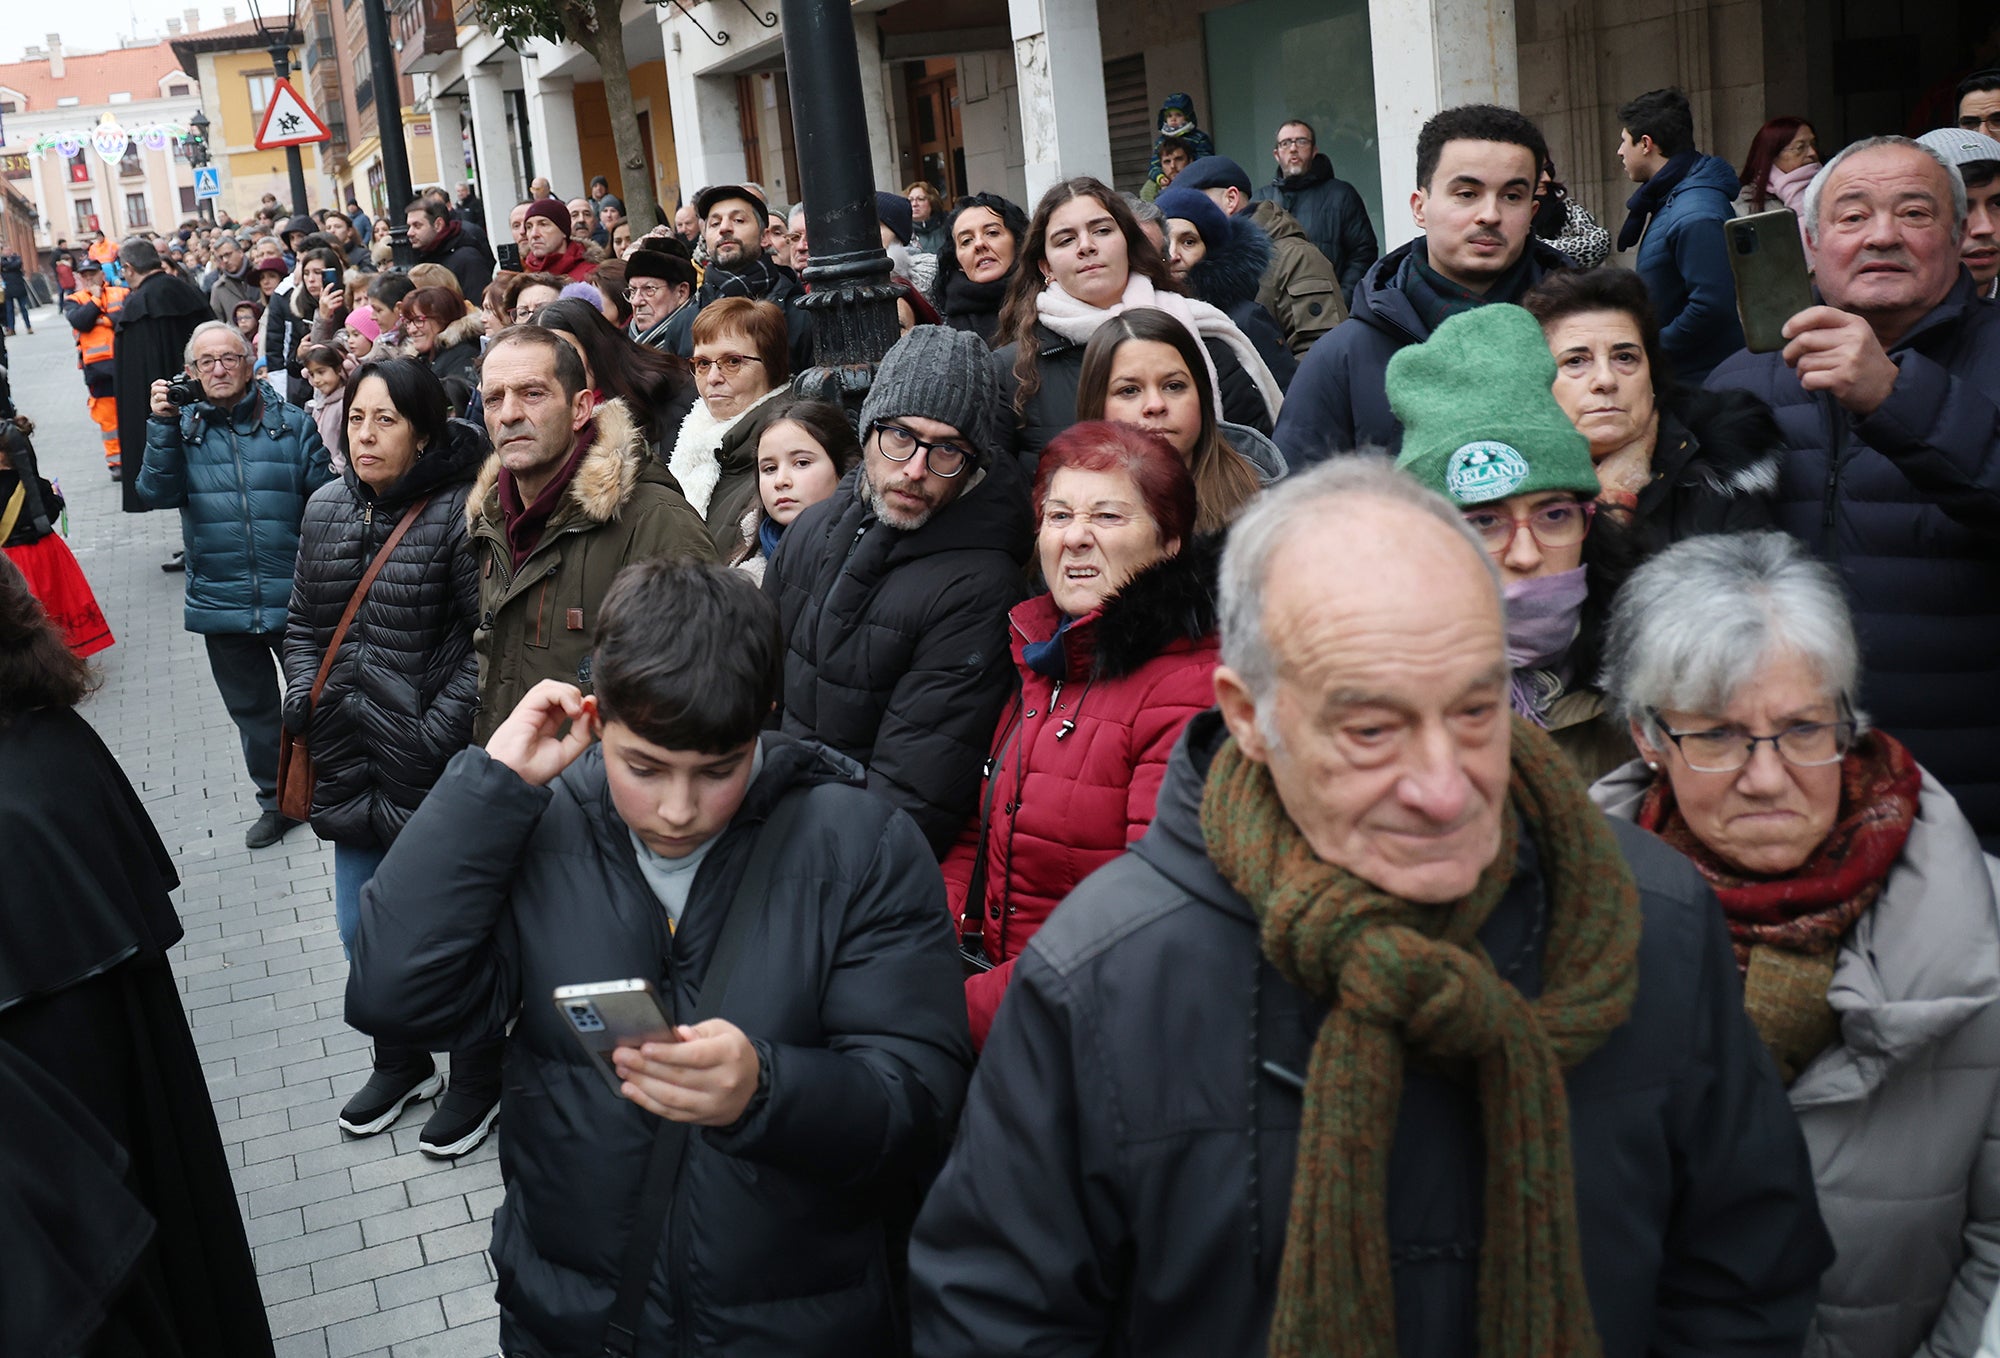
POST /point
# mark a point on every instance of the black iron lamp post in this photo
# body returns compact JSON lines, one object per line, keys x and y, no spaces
{"x":277,"y":30}
{"x":852,"y":300}
{"x":389,"y":129}
{"x":197,"y":154}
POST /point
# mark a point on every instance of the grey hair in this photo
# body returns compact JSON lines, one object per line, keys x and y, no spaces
{"x":138,"y":254}
{"x":1300,"y":504}
{"x":1143,"y":210}
{"x":1819,"y":182}
{"x":209,"y":328}
{"x":1693,"y":626}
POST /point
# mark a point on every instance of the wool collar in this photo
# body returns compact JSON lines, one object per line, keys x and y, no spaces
{"x":524,"y":523}
{"x":1652,"y":196}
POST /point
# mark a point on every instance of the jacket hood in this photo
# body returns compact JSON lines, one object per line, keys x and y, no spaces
{"x":1256,"y":449}
{"x":1710,"y":172}
{"x":1726,"y":441}
{"x":1233,"y":267}
{"x":611,"y":470}
{"x":1172,"y":600}
{"x":1278,"y":224}
{"x":458,"y":459}
{"x":1919,"y":963}
{"x":1182,"y":102}
{"x":1379,"y":302}
{"x":1319,"y":172}
{"x":162,"y":295}
{"x":1173,"y":843}
{"x":468,"y":329}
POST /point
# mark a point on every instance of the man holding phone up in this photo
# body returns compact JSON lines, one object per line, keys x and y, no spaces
{"x":608,"y":838}
{"x":1889,"y":398}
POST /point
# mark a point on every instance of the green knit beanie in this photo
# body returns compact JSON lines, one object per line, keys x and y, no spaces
{"x":1479,"y":420}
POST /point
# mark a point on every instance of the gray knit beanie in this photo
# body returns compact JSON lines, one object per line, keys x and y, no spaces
{"x":937,"y":373}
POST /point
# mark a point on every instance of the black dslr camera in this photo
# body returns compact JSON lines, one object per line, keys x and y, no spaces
{"x":184,"y":390}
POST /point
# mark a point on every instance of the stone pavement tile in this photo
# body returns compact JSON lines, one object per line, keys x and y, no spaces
{"x":309,"y":1248}
{"x":398,"y":1256}
{"x":474,"y":1341}
{"x":482,"y":1203}
{"x":322,"y":1309}
{"x":352,"y":1206}
{"x":431,"y":1216}
{"x":263,"y":1174}
{"x":287,"y":1284}
{"x":398,"y":1166}
{"x":272,"y":1053}
{"x":249,"y":1129}
{"x":434,"y":1280}
{"x":463,"y":1178}
{"x":471,"y":1238}
{"x":417,"y":1319}
{"x":311,"y":1344}
{"x":300,"y":1192}
{"x":291,"y":1096}
{"x":473,"y":1303}
{"x":275,"y":1226}
{"x":346,"y":1153}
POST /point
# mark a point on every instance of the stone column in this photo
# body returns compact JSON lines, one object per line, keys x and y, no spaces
{"x":708,"y":122}
{"x":448,"y":141}
{"x":487,"y":105}
{"x":1059,"y":63}
{"x":1431,"y":55}
{"x":558,"y":153}
{"x":875,"y":101}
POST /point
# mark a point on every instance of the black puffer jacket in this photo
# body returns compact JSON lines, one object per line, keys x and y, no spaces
{"x":399,"y":701}
{"x":1905,"y":504}
{"x":1228,"y":277}
{"x":1122,"y":1179}
{"x":897,"y":642}
{"x":1715,"y":468}
{"x":1052,"y":408}
{"x":1333,"y":215}
{"x":781,"y":1239}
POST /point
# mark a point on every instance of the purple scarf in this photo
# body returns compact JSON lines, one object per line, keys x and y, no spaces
{"x":1542,"y":619}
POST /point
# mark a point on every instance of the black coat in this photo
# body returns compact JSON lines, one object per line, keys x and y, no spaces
{"x":1905,"y":504}
{"x":1715,"y":468}
{"x":1228,"y":278}
{"x":896,"y":642}
{"x":152,"y":335}
{"x":1339,"y":402}
{"x":1334,"y":217}
{"x":399,"y":701}
{"x":780,"y":1241}
{"x":1052,"y":408}
{"x":1122,"y":1177}
{"x":463,"y":250}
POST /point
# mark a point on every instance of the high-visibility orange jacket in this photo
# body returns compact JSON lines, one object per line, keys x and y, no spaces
{"x":92,"y":317}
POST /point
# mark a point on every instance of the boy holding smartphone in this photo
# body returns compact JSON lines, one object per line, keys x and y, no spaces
{"x":607,"y":838}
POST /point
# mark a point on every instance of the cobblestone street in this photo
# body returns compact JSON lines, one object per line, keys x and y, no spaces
{"x":362,"y":1246}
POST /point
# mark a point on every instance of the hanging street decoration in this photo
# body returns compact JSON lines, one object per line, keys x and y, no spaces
{"x":112,"y":140}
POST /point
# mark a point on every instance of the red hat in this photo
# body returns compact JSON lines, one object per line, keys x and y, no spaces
{"x":555,"y":209}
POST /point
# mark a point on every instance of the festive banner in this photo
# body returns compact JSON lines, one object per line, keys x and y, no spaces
{"x":113,"y":140}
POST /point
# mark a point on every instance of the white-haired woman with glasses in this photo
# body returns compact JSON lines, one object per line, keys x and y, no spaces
{"x":1862,"y":913}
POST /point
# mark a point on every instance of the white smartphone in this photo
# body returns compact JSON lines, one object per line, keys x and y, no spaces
{"x":606,"y":1015}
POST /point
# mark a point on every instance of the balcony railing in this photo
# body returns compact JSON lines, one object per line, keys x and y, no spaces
{"x":427,"y":30}
{"x":364,"y":92}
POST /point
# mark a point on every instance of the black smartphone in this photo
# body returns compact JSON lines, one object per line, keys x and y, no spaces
{"x":509,"y":256}
{"x":329,"y":278}
{"x":1768,"y":261}
{"x":606,"y":1015}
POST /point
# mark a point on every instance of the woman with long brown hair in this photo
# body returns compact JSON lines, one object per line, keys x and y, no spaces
{"x":1144,"y":368}
{"x":1084,"y":261}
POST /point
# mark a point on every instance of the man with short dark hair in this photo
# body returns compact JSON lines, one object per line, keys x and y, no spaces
{"x":1675,"y":218}
{"x":1976,"y":157}
{"x":1888,"y":395}
{"x":736,"y":219}
{"x":1979,"y":102}
{"x":1299,"y":288}
{"x":1327,"y":208}
{"x":583,"y":222}
{"x":752,"y":1154}
{"x":894,"y":592}
{"x":570,"y":496}
{"x":1477,"y":167}
{"x":438,"y":238}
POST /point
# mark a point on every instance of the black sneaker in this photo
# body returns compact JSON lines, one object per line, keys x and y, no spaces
{"x":463,"y":1118}
{"x":390,"y":1089}
{"x":176,"y":562}
{"x":271,"y":827}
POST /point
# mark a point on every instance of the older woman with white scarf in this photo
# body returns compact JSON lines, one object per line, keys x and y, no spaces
{"x":1084,"y":261}
{"x":742,"y":368}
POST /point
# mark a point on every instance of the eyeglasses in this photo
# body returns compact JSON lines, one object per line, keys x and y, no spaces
{"x":1561,"y":523}
{"x":946,"y":459}
{"x":1725,"y":749}
{"x":522,"y":313}
{"x":647,"y":294}
{"x":1988,"y":124}
{"x":1294,"y":143}
{"x":215,"y":363}
{"x":731,"y":364}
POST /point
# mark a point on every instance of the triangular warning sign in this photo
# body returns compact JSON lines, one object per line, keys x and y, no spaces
{"x":289,"y":120}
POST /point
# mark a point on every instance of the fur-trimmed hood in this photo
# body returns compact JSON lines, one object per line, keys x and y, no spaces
{"x":1173,"y":600}
{"x":1725,"y":442}
{"x":603,"y":482}
{"x":1229,"y":273}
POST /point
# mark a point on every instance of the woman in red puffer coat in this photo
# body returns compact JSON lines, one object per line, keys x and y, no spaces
{"x":1114,"y":659}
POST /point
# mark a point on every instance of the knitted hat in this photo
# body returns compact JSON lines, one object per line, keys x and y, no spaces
{"x":1961,"y":145}
{"x":936,"y":373}
{"x":554,"y":209}
{"x":1214,"y":172}
{"x":363,"y":323}
{"x":1195,"y":206}
{"x":1479,"y":420}
{"x":894,"y":211}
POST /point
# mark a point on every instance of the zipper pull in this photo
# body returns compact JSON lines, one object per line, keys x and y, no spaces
{"x":1064,"y":729}
{"x":986,"y":769}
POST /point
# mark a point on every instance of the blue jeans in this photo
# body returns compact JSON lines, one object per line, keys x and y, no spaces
{"x":352,"y":868}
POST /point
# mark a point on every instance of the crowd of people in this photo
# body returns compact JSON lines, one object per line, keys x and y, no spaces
{"x":1256,"y":792}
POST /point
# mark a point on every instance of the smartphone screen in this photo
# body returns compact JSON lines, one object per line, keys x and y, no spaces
{"x":330,"y":277}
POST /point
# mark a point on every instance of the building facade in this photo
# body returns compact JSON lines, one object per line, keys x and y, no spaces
{"x":232,"y":66}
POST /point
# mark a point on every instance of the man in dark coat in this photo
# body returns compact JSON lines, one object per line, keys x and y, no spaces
{"x":160,"y":315}
{"x":894,"y":592}
{"x":1328,"y":208}
{"x":1889,"y":399}
{"x":1477,"y":167}
{"x":14,"y":279}
{"x":1177,"y":1146}
{"x":734,"y":221}
{"x":439,"y":238}
{"x":805,"y":1096}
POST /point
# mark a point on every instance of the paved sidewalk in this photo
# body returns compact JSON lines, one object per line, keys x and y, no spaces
{"x":362,"y":1246}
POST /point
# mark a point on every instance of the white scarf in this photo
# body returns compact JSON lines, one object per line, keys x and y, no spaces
{"x":1078,"y":321}
{"x":696,"y":461}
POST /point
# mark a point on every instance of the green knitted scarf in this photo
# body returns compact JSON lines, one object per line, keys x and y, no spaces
{"x":1408,"y":979}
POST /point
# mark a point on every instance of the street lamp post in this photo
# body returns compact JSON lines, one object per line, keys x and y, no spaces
{"x":851,"y":298}
{"x":277,"y":30}
{"x":198,"y":156}
{"x":389,"y":128}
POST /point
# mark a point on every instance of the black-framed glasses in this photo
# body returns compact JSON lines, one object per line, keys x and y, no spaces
{"x":1725,"y":749}
{"x":946,"y":458}
{"x":1293,"y":143}
{"x":731,"y":364}
{"x":1560,"y":523}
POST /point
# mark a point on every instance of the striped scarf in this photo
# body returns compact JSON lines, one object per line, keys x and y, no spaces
{"x":1411,"y":980}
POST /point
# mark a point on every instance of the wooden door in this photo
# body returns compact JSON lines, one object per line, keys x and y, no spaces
{"x":936,"y":133}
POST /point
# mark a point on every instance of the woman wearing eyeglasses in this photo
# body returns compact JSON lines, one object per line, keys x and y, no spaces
{"x":741,"y":365}
{"x":1862,"y":913}
{"x":1522,"y":477}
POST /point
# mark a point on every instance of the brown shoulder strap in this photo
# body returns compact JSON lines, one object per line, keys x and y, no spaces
{"x":360,"y":593}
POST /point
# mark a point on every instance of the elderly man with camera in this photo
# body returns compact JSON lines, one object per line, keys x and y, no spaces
{"x":239,"y":463}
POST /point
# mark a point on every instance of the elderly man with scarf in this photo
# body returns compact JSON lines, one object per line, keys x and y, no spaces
{"x":734,"y":220}
{"x":1382,"y":1040}
{"x":660,"y":283}
{"x":550,"y":249}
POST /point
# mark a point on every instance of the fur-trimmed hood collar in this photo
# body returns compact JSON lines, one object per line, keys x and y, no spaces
{"x":1229,"y":273}
{"x":611,"y":470}
{"x":1170,"y":602}
{"x":1727,"y":442}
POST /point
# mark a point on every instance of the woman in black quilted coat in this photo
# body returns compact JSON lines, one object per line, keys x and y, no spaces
{"x":399,"y":700}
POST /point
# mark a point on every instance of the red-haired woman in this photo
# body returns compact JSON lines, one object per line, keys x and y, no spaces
{"x":1114,"y":658}
{"x":1784,"y":157}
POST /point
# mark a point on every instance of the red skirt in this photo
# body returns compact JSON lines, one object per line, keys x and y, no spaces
{"x":56,"y":580}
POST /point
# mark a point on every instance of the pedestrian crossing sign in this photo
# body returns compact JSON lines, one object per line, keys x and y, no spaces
{"x":207,"y":182}
{"x":289,"y":120}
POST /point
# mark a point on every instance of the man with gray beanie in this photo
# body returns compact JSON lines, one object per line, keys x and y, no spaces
{"x":893,"y":594}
